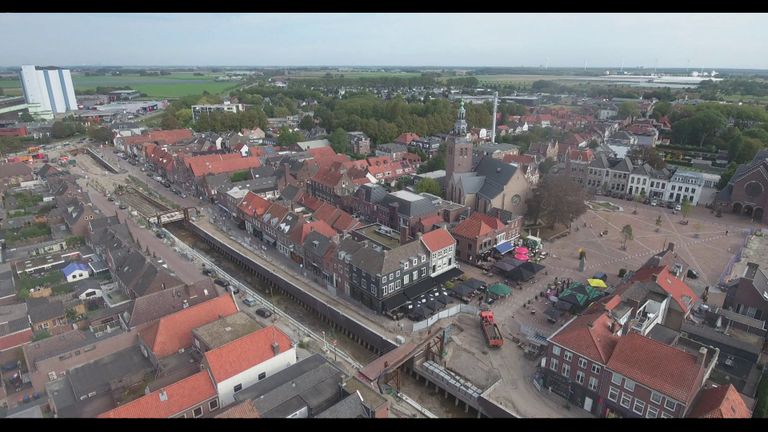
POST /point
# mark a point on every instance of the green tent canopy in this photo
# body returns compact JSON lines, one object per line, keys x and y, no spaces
{"x":500,"y":290}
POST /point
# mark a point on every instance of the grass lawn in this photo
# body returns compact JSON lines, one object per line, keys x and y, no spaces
{"x":761,"y":408}
{"x":175,"y":85}
{"x":51,"y":278}
{"x":35,"y":230}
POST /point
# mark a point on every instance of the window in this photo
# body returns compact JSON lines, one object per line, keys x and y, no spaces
{"x":391,"y":276}
{"x":238,"y":388}
{"x":629,"y":384}
{"x":665,"y":415}
{"x":397,"y":284}
{"x":653,"y":412}
{"x":423,"y":272}
{"x":580,"y":377}
{"x":582,"y":363}
{"x":423,"y":258}
{"x":383,"y":280}
{"x":415,"y":274}
{"x":639,"y":407}
{"x":262,"y":376}
{"x":566,"y":371}
{"x":391,"y":287}
{"x":415,"y":261}
{"x":556,"y":350}
{"x":397,"y":274}
{"x":406,"y":279}
{"x":670,"y":404}
{"x":405,"y":266}
{"x":626,"y":400}
{"x":197,"y":412}
{"x":613,"y":394}
{"x":553,"y":364}
{"x":596,"y":369}
{"x":593,"y":383}
{"x":616,"y":378}
{"x":213,"y":405}
{"x":568,"y":356}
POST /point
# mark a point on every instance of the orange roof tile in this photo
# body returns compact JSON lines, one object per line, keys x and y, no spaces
{"x":246,"y":352}
{"x":170,"y":137}
{"x":429,"y":221}
{"x":218,"y":164}
{"x":437,"y":239}
{"x":720,"y":402}
{"x":677,"y":289}
{"x":300,"y":234}
{"x":476,"y":225}
{"x":15,"y":339}
{"x":174,"y":332}
{"x":253,"y":205}
{"x":656,"y":365}
{"x":180,"y":396}
{"x":406,"y":138}
{"x":310,"y":202}
{"x":589,"y":335}
{"x":244,"y":409}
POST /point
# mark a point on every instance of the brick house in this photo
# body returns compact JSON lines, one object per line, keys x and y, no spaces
{"x":477,"y":235}
{"x":746,"y":191}
{"x":748,"y":295}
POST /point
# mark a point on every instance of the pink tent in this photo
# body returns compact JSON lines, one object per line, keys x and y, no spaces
{"x":521,"y":257}
{"x":521,"y":250}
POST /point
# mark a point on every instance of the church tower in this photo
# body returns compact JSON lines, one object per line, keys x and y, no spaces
{"x":459,"y":150}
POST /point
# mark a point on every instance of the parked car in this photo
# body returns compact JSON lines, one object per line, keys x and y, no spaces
{"x":678,"y":207}
{"x":233,"y":289}
{"x":110,"y":198}
{"x":221,"y":282}
{"x":208,"y":272}
{"x":654,"y":203}
{"x":122,"y":206}
{"x":692,"y":274}
{"x":249,"y":301}
{"x":264,"y":313}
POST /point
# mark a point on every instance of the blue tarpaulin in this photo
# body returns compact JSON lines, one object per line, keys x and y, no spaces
{"x":504,"y":247}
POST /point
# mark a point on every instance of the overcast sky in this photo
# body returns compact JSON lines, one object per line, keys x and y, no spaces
{"x":504,"y":39}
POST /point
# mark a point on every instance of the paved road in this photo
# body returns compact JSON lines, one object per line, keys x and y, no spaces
{"x":184,"y":269}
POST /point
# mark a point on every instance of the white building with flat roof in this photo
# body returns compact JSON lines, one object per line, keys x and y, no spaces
{"x":48,"y":91}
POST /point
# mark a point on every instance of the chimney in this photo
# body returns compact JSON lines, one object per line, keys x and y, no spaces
{"x":403,"y":234}
{"x":275,"y":348}
{"x":163,"y":395}
{"x":702,"y":355}
{"x":751,"y":271}
{"x":671,"y":246}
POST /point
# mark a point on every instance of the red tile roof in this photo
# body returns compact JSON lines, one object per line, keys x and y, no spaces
{"x":15,"y":339}
{"x":180,"y":396}
{"x":720,"y":402}
{"x":174,"y":332}
{"x":301,"y":232}
{"x":253,"y":205}
{"x":476,"y":225}
{"x":277,"y":211}
{"x":589,"y":335}
{"x":677,"y":289}
{"x":406,"y":138}
{"x":438,"y":239}
{"x":218,"y":164}
{"x":327,"y":177}
{"x":246,"y":352}
{"x":322,"y":152}
{"x":244,"y":409}
{"x":311,"y":202}
{"x":170,"y":137}
{"x":658,"y":366}
{"x":519,"y":159}
{"x":430,"y":221}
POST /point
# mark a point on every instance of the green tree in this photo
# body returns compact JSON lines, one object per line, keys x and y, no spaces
{"x":402,"y":182}
{"x":100,"y":134}
{"x":62,"y":129}
{"x":428,"y":185}
{"x":240,"y":176}
{"x":184,"y":117}
{"x":629,"y":109}
{"x":339,"y":141}
{"x":748,"y":149}
{"x":725,"y":177}
{"x":658,"y":221}
{"x":26,"y":117}
{"x":40,"y":335}
{"x":557,"y":199}
{"x":646,"y":154}
{"x":169,"y":120}
{"x":546,"y":165}
{"x":288,"y":137}
{"x":685,"y":207}
{"x":661,"y":109}
{"x":626,"y":234}
{"x":307,"y":123}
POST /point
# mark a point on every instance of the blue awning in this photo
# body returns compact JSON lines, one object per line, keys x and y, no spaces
{"x":504,"y":247}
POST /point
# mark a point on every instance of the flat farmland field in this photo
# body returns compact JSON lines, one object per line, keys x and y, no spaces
{"x":177,"y":84}
{"x":524,"y":79}
{"x":353,"y":75}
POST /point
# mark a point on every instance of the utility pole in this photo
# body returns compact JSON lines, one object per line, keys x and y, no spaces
{"x":493,"y":127}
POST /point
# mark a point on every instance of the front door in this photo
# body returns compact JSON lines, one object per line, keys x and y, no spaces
{"x":588,"y":404}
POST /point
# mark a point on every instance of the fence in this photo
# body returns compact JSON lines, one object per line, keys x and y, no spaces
{"x":451,"y":311}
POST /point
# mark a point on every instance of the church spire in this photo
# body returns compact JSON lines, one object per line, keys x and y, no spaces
{"x":460,"y":127}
